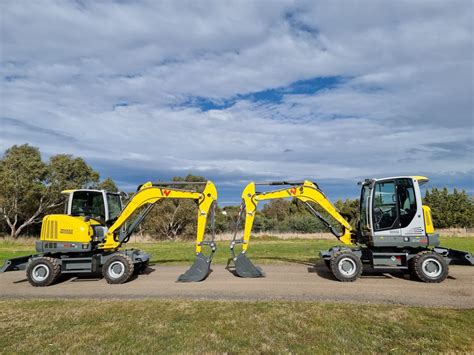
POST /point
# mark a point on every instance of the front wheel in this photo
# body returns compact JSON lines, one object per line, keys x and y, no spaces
{"x":430,"y":267}
{"x":43,"y":271}
{"x":118,"y":269}
{"x":346,"y":266}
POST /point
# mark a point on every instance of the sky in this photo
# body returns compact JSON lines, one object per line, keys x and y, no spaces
{"x":235,"y":91}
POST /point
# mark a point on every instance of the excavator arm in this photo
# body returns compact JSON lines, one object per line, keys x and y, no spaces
{"x":148,"y":195}
{"x":305,"y":191}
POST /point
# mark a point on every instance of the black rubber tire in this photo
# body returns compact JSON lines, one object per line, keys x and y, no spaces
{"x":118,"y":269}
{"x":346,"y":256}
{"x":51,"y":266}
{"x":419,"y":269}
{"x":411,"y":270}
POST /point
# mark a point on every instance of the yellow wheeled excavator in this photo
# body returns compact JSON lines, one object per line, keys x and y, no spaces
{"x":87,"y":239}
{"x":395,"y":231}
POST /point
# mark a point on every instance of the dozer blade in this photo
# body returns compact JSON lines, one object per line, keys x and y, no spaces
{"x":245,"y":268}
{"x":198,"y":271}
{"x":13,"y":264}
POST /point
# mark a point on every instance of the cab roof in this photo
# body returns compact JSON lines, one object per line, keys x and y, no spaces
{"x":66,"y":192}
{"x":421,"y":179}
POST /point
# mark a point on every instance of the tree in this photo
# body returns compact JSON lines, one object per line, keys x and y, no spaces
{"x":349,"y":209}
{"x":67,"y":172}
{"x":29,"y":188}
{"x":277,"y":209}
{"x":454,"y":209}
{"x":22,"y":178}
{"x":109,"y":185}
{"x":174,"y":219}
{"x":303,"y":223}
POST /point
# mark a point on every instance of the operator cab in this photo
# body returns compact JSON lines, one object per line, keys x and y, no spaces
{"x":98,"y":204}
{"x":391,"y":212}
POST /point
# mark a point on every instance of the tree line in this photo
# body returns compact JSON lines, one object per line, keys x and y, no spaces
{"x":30,"y":188}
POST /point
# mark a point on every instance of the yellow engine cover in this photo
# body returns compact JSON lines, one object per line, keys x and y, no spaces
{"x":64,"y":228}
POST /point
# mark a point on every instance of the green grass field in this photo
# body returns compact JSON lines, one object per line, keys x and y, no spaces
{"x":162,"y":326}
{"x":151,"y":326}
{"x":263,"y":251}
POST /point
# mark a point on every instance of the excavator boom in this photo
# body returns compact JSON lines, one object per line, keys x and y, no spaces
{"x":148,"y":195}
{"x":305,"y":191}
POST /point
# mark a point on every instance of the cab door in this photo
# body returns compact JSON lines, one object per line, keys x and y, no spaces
{"x":385,"y":210}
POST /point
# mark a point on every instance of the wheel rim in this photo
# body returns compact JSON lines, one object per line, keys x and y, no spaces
{"x":116,"y":269}
{"x":40,"y":272}
{"x":432,"y":268}
{"x":347,"y":266}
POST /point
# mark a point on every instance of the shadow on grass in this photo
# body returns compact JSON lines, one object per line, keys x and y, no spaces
{"x":89,"y":277}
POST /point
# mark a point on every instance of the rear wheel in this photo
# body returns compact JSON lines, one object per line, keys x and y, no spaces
{"x":346,"y":266}
{"x":411,"y":270}
{"x":118,"y":269}
{"x":43,"y":271}
{"x":430,"y":267}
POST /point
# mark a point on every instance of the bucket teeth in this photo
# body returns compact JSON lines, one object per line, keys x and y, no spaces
{"x":198,"y":271}
{"x":245,"y":268}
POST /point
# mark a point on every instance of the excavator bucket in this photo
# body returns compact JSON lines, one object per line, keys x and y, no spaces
{"x":198,"y":271}
{"x":245,"y":268}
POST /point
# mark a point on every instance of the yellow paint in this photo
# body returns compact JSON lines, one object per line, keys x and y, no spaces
{"x":64,"y":228}
{"x":421,"y":179}
{"x":306,"y":192}
{"x":149,"y":194}
{"x":60,"y":227}
{"x":429,"y":228}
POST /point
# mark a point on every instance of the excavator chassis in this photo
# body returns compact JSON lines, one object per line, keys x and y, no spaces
{"x":83,"y":263}
{"x":79,"y":263}
{"x":396,"y":258}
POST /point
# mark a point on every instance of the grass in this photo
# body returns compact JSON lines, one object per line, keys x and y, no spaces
{"x":262,"y":250}
{"x":157,"y":326}
{"x":162,"y":326}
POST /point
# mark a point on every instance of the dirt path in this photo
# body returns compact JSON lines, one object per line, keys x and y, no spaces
{"x":282,"y":282}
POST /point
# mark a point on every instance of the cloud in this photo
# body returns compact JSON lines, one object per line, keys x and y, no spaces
{"x":243,"y":90}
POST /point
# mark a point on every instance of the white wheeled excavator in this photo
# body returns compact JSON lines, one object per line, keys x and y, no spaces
{"x":87,"y":239}
{"x":395,"y":231}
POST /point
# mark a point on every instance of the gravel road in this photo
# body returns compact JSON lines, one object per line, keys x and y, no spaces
{"x":282,"y":282}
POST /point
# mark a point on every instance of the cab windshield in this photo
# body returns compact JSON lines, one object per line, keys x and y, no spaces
{"x":88,"y":203}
